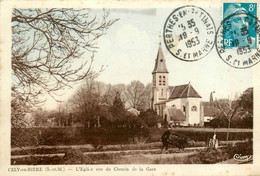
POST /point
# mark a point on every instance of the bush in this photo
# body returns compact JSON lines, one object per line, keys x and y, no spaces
{"x":245,"y":148}
{"x":150,"y":118}
{"x":75,"y":156}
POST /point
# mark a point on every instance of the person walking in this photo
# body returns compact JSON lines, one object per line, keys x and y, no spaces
{"x":166,"y":139}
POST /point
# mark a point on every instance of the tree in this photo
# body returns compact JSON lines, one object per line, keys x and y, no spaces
{"x":228,"y":109}
{"x":118,"y":103}
{"x":40,"y":116}
{"x":239,"y":111}
{"x":89,"y":102}
{"x":52,"y":48}
{"x":138,"y":95}
{"x":211,"y":98}
{"x":246,"y":100}
{"x":150,"y":118}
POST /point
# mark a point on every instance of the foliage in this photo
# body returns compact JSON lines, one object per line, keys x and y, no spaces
{"x":245,"y":148}
{"x":235,"y":114}
{"x":210,"y":156}
{"x":138,"y":95}
{"x":118,"y":105}
{"x":99,"y":104}
{"x":89,"y":103}
{"x":75,"y":156}
{"x":246,"y":100}
{"x":150,"y":118}
{"x":109,"y":135}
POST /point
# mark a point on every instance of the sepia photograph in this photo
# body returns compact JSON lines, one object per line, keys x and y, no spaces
{"x":130,"y":86}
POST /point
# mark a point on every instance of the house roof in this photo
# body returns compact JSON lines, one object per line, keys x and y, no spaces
{"x":163,"y":102}
{"x":210,"y":111}
{"x":160,"y":65}
{"x":176,"y":114}
{"x":134,"y":111}
{"x":183,"y":91}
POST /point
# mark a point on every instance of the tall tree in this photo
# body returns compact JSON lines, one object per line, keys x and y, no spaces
{"x":240,"y":108}
{"x":228,"y":109}
{"x":138,"y":95}
{"x":88,"y":102}
{"x":246,"y":100}
{"x":211,"y":98}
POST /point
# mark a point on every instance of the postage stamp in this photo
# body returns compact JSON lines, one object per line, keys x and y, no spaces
{"x":239,"y":25}
{"x":237,"y":37}
{"x":189,"y":33}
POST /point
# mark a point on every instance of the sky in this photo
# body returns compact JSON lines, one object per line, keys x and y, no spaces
{"x":129,"y":48}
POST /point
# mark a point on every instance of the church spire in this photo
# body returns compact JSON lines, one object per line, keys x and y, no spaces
{"x":160,"y":65}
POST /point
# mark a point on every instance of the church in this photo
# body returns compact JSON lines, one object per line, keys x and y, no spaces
{"x":177,"y":105}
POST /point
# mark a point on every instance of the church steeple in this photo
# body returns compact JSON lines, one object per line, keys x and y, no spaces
{"x":160,"y":65}
{"x":160,"y":90}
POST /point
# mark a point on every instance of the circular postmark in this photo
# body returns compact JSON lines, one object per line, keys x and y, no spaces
{"x":189,"y":33}
{"x":236,"y":40}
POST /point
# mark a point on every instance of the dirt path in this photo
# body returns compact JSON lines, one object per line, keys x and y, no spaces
{"x":148,"y":152}
{"x":163,"y":156}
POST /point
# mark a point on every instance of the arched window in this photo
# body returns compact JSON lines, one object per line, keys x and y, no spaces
{"x":160,"y":80}
{"x":184,"y":109}
{"x":163,"y":80}
{"x":194,"y":108}
{"x":162,"y":92}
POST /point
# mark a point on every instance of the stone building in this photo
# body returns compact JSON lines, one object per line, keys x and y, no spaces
{"x":179,"y":105}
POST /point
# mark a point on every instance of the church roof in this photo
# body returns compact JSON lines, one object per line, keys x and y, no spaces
{"x":183,"y":91}
{"x":176,"y":114}
{"x":160,"y":65}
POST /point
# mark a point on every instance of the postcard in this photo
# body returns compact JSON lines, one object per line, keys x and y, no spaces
{"x":129,"y":88}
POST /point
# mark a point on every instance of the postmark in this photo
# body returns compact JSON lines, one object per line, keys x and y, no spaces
{"x":237,"y":39}
{"x":189,"y":33}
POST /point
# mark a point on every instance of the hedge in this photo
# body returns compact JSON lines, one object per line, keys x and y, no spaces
{"x":104,"y":136}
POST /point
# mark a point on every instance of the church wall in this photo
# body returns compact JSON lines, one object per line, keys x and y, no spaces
{"x":192,"y":116}
{"x":179,"y":104}
{"x":194,"y":110}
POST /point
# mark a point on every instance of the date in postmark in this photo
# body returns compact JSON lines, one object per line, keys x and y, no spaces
{"x":189,"y":33}
{"x":237,"y":39}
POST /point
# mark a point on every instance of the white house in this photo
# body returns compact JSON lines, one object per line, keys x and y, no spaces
{"x":180,"y":104}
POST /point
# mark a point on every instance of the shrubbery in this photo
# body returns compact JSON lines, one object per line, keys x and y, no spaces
{"x":97,"y":136}
{"x":149,"y":118}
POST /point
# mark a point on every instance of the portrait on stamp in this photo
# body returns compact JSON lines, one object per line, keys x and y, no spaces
{"x":239,"y":21}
